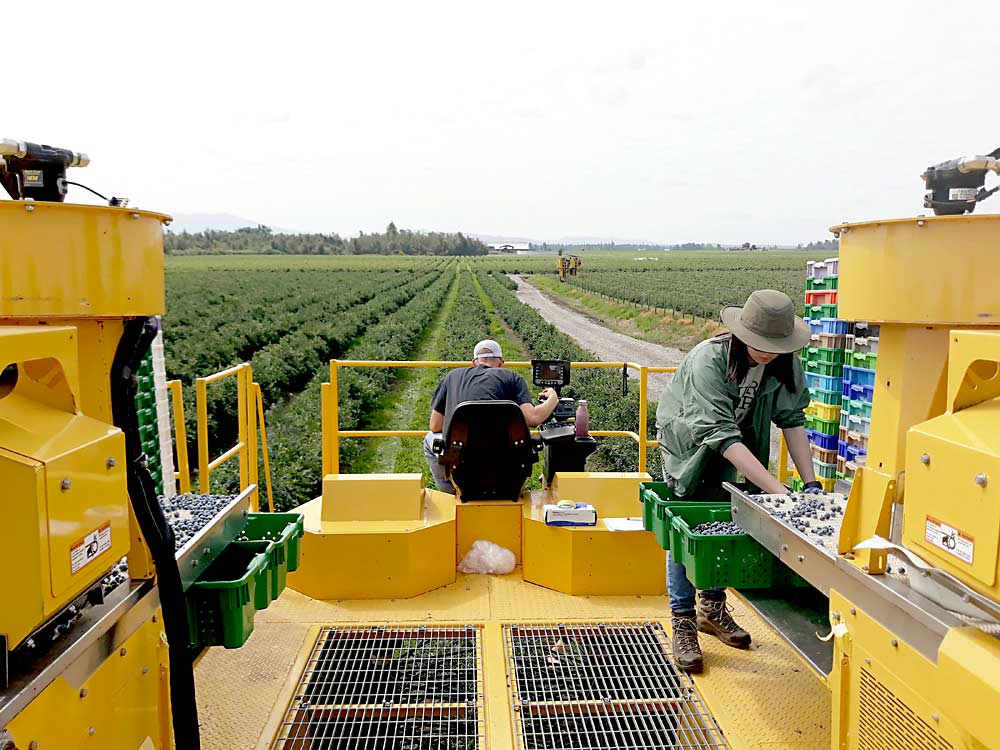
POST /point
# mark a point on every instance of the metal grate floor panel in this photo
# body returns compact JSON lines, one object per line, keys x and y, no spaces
{"x":602,"y":686}
{"x":389,"y":687}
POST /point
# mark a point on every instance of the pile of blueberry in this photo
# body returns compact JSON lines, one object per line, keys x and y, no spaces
{"x":715,"y":528}
{"x":117,"y":576}
{"x":189,"y":514}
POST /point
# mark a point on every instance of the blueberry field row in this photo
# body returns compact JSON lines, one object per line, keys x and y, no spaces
{"x":691,"y":293}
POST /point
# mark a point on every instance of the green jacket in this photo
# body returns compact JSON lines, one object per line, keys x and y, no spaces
{"x":696,"y":420}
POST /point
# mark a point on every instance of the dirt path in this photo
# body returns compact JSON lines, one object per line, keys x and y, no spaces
{"x":608,"y":345}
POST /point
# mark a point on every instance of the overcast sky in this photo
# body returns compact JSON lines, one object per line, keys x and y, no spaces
{"x":659,"y":121}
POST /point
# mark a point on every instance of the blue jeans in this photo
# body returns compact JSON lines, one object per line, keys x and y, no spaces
{"x":437,"y":470}
{"x":681,"y":590}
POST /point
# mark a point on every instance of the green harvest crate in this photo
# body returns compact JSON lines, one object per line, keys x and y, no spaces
{"x":825,"y":368}
{"x":222,"y":602}
{"x":720,"y":560}
{"x":824,"y":470}
{"x":262,"y":591}
{"x":860,"y":408}
{"x":658,"y":503}
{"x":654,"y":497}
{"x":825,"y":354}
{"x":795,"y":483}
{"x":833,"y":398}
{"x":827,"y":282}
{"x":867,"y":360}
{"x":826,"y":426}
{"x":286,"y":531}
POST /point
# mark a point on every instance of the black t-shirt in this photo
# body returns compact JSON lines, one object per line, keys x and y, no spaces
{"x":478,"y":383}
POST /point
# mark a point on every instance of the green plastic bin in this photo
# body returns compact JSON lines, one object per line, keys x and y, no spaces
{"x":826,"y":397}
{"x":284,"y":531}
{"x":223,"y":601}
{"x":825,"y":354}
{"x":825,"y":368}
{"x":827,"y":282}
{"x":658,"y":503}
{"x":721,"y":560}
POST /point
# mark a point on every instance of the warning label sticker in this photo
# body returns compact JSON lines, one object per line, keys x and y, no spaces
{"x":950,"y":539}
{"x":89,"y":548}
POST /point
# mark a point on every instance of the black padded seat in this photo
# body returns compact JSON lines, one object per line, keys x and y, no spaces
{"x":488,"y":450}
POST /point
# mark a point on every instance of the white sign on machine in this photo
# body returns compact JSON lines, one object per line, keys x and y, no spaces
{"x":951,"y":540}
{"x":88,"y":549}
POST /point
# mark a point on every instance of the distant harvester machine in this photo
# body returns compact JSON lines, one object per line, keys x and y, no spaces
{"x":568,"y":265}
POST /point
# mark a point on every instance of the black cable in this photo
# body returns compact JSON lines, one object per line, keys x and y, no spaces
{"x":137,"y":335}
{"x":77,"y":184}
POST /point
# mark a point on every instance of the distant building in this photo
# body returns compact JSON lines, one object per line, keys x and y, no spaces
{"x":509,"y":247}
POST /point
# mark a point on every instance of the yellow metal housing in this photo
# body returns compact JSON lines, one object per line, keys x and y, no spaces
{"x":935,"y":270}
{"x":66,"y":520}
{"x":614,"y":494}
{"x":377,"y":559}
{"x":373,"y":497}
{"x":887,"y":695}
{"x":952,"y":509}
{"x":115,"y":699}
{"x":62,"y":260}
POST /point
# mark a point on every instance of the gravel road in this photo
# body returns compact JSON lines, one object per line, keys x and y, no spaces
{"x":608,"y":345}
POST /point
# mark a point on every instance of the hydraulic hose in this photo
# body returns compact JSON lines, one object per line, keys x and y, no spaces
{"x":137,"y":335}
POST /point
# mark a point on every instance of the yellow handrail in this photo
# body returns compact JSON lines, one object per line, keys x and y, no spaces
{"x":263,"y":445}
{"x":245,"y":448}
{"x":180,"y":432}
{"x":330,"y":407}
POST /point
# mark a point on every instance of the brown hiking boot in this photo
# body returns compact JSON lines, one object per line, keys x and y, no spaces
{"x":687,"y":652}
{"x":714,"y":619}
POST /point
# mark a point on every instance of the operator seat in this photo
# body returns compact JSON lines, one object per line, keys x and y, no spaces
{"x":488,"y":450}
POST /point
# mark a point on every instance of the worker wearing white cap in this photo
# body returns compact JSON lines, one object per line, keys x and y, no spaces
{"x":484,"y":380}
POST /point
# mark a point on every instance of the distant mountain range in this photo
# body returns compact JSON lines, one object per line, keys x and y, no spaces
{"x":228,"y":223}
{"x":218,"y":222}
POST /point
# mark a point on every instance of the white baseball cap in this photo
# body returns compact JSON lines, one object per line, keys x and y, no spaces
{"x":487,"y":348}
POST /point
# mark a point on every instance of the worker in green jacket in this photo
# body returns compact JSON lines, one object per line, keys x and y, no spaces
{"x":714,"y":420}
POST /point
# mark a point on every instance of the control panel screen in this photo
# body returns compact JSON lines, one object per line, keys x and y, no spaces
{"x":550,"y":372}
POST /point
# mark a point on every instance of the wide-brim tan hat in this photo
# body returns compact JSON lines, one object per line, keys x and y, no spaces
{"x":768,"y":323}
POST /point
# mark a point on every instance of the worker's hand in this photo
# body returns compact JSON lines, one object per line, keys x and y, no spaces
{"x":813,"y":488}
{"x":547,"y":394}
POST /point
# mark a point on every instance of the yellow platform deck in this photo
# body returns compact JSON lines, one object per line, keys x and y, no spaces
{"x":762,"y":699}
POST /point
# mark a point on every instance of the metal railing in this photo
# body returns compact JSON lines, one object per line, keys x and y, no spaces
{"x":250,"y":425}
{"x":331,"y":408}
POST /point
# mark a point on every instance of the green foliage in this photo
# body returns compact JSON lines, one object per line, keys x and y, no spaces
{"x":702,"y":292}
{"x":261,"y":240}
{"x":295,"y":426}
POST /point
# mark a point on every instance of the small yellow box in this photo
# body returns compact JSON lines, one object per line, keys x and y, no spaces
{"x":496,"y":522}
{"x":614,"y":494}
{"x":373,"y":497}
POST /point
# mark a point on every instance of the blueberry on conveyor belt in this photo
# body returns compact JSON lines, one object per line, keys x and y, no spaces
{"x":189,"y":514}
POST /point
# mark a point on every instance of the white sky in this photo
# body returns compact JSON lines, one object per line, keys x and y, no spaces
{"x":659,"y":121}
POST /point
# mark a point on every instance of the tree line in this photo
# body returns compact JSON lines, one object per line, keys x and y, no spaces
{"x":261,"y":240}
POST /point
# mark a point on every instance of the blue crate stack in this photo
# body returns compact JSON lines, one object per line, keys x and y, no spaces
{"x":857,"y":398}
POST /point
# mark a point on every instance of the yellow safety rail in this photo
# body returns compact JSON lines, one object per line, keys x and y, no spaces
{"x":180,"y":436}
{"x":250,"y":422}
{"x":331,"y":409}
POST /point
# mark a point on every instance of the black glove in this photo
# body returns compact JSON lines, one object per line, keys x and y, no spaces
{"x":813,"y":488}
